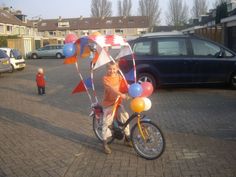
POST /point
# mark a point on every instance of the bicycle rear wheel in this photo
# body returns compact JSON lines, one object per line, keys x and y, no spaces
{"x":153,"y":145}
{"x":97,"y":128}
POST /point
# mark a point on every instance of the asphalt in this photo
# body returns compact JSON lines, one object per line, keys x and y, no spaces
{"x":52,"y":136}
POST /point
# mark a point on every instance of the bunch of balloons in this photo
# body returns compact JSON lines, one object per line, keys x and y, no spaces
{"x":140,"y":94}
{"x":70,"y":48}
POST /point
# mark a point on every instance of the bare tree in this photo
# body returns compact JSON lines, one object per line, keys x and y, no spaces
{"x":124,"y":9}
{"x":150,"y":8}
{"x":177,"y":13}
{"x":101,"y":8}
{"x":199,"y":8}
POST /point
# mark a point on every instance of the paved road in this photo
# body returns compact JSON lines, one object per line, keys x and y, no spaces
{"x":51,"y":135}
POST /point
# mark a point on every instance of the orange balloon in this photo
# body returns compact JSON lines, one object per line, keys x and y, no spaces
{"x":96,"y":33}
{"x":137,"y":105}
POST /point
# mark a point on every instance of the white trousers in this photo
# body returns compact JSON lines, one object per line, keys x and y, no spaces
{"x":108,"y":119}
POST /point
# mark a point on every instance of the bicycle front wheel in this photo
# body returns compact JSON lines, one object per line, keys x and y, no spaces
{"x":152,"y":145}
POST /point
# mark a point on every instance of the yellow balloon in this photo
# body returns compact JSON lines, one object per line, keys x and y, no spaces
{"x":137,"y":105}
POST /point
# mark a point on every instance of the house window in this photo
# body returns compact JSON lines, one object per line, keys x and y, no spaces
{"x":120,"y":31}
{"x":1,"y":29}
{"x":51,"y":33}
{"x":131,"y":21}
{"x":44,"y":24}
{"x":63,"y":24}
{"x":108,"y":21}
{"x":9,"y":28}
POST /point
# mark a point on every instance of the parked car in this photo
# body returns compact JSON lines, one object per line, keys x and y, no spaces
{"x":176,"y":58}
{"x":16,"y":59}
{"x":5,"y":65}
{"x":47,"y":51}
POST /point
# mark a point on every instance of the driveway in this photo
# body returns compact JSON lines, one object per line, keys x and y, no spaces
{"x":51,"y":135}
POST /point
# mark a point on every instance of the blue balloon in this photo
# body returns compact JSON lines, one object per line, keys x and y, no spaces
{"x":69,"y":49}
{"x":135,"y":90}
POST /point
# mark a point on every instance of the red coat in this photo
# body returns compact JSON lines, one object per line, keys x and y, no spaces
{"x":40,"y":80}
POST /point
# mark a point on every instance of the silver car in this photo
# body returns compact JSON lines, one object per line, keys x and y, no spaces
{"x":53,"y":51}
{"x":5,"y":65}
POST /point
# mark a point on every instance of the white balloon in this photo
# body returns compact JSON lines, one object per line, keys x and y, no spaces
{"x":148,"y":103}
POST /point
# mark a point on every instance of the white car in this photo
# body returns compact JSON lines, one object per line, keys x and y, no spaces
{"x":16,"y":59}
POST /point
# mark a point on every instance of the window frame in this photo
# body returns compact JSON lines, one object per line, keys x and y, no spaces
{"x":152,"y":52}
{"x":173,"y":56}
{"x":202,"y":56}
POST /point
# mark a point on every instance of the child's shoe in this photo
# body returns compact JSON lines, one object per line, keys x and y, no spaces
{"x":106,"y":148}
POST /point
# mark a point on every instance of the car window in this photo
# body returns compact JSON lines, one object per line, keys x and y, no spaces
{"x":3,"y":54}
{"x":53,"y":47}
{"x":16,"y":53}
{"x":204,"y":48}
{"x":228,"y":54}
{"x":46,"y":48}
{"x":59,"y":47}
{"x":142,"y":48}
{"x":171,"y":47}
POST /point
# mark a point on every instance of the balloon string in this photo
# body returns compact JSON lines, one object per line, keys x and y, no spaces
{"x":81,"y":77}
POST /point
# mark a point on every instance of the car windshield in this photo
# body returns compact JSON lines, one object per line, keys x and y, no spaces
{"x":16,"y":53}
{"x":3,"y":54}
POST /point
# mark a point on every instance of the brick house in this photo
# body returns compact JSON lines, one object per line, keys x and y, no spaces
{"x":126,"y":26}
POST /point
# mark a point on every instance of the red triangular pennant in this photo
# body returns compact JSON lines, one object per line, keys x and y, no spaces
{"x":79,"y":88}
{"x":123,"y":86}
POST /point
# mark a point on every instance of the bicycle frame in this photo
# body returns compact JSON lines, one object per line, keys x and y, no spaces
{"x":123,"y":125}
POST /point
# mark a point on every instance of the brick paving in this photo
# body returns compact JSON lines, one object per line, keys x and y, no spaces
{"x":51,"y":135}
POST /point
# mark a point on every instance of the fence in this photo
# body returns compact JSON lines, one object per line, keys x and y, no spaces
{"x":214,"y":33}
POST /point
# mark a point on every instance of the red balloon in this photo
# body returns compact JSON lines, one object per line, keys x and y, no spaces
{"x":147,"y":89}
{"x":70,"y":38}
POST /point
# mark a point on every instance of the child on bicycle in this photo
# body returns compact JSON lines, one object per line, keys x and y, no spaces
{"x":111,"y":82}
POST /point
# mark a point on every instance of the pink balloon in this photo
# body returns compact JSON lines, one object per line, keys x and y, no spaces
{"x":70,"y":38}
{"x":147,"y":89}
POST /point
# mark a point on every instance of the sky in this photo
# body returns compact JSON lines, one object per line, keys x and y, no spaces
{"x":51,"y":9}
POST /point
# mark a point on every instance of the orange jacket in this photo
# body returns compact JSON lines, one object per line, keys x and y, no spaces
{"x":109,"y":95}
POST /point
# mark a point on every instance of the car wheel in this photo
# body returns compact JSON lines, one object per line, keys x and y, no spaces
{"x":12,"y":69}
{"x":146,"y":77}
{"x":58,"y":55}
{"x":34,"y":56}
{"x":233,"y":81}
{"x":20,"y":69}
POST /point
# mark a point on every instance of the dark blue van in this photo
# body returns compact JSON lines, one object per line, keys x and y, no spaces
{"x":176,"y":58}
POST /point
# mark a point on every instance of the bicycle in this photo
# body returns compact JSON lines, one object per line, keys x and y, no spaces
{"x":146,"y":137}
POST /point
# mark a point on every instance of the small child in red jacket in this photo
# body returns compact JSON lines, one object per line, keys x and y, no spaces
{"x":40,"y":80}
